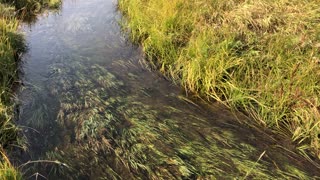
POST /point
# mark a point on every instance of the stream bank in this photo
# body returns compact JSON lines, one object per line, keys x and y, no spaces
{"x":91,"y":109}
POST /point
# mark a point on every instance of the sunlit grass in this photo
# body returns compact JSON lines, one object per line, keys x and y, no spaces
{"x":7,"y":170}
{"x":7,"y":75}
{"x":11,"y":44}
{"x":34,"y":6}
{"x":259,"y":57}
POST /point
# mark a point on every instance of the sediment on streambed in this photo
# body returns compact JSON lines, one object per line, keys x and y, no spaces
{"x":259,"y":57}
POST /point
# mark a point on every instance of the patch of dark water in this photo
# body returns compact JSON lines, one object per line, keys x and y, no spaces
{"x":91,"y":110}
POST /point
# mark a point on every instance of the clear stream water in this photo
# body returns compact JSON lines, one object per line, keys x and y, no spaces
{"x":90,"y":108}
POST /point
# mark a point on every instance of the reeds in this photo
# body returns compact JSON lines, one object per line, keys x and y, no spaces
{"x":259,"y":57}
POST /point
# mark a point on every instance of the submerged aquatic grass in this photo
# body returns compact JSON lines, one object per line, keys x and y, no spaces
{"x":92,"y":120}
{"x":259,"y":57}
{"x":11,"y":46}
{"x":104,"y":131}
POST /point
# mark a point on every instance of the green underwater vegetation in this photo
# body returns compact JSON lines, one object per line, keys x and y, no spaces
{"x":104,"y":131}
{"x":88,"y":120}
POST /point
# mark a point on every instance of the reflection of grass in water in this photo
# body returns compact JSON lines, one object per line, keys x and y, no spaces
{"x":118,"y":136}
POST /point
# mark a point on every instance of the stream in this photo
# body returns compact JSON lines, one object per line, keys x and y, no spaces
{"x":91,"y":108}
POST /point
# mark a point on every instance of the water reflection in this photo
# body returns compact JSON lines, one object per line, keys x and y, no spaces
{"x":95,"y":112}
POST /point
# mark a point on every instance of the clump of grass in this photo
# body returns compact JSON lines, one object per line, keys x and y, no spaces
{"x":7,"y":170}
{"x":260,"y":57}
{"x":37,"y":5}
{"x":53,"y":4}
{"x":11,"y":44}
{"x":28,"y":9}
{"x":8,"y":130}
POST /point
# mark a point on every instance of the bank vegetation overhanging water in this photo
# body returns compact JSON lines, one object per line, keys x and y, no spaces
{"x":11,"y":46}
{"x":259,"y":57}
{"x":98,"y":113}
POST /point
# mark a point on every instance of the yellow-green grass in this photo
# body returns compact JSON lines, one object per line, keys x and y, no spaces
{"x":28,"y":9}
{"x":11,"y":43}
{"x":34,"y":6}
{"x":7,"y":170}
{"x":261,"y":57}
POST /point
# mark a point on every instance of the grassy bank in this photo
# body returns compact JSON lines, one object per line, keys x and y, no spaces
{"x":11,"y":45}
{"x":260,"y":57}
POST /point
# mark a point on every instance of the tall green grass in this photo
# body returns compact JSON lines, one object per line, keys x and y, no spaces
{"x":261,"y":57}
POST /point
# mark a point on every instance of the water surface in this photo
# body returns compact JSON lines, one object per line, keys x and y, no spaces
{"x":91,"y":109}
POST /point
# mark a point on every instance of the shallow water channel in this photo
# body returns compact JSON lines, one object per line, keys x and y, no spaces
{"x":90,"y":108}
